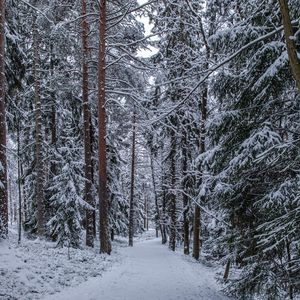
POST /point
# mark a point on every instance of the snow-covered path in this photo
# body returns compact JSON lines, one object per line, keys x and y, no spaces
{"x":149,"y":271}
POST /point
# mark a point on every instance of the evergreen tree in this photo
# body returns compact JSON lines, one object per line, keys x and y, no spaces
{"x":3,"y":162}
{"x":66,"y":189}
{"x":248,"y":155}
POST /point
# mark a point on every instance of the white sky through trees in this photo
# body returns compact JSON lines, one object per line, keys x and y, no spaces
{"x":145,"y":20}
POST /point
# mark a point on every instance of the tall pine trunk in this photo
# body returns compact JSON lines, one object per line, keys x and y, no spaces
{"x":19,"y":182}
{"x":164,"y":234}
{"x":53,"y":113}
{"x":3,"y":163}
{"x":87,"y":128}
{"x":131,"y":202}
{"x":289,"y":270}
{"x":197,"y":213}
{"x":186,"y":225}
{"x":196,"y":232}
{"x":105,"y":246}
{"x":290,"y":43}
{"x":157,"y":210}
{"x":203,"y":112}
{"x":146,"y":218}
{"x":171,"y":194}
{"x":39,"y":168}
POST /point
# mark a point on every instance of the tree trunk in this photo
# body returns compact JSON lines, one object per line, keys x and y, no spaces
{"x":186,"y":225}
{"x":19,"y":184}
{"x":3,"y":163}
{"x":49,"y":209}
{"x":131,"y":202}
{"x":145,"y":211}
{"x":87,"y":135}
{"x":289,"y":258}
{"x":164,"y":237}
{"x":24,"y":195}
{"x":227,"y":269}
{"x":105,"y":246}
{"x":171,"y":194}
{"x":196,"y":231}
{"x":159,"y":219}
{"x":290,"y":43}
{"x":39,"y":181}
{"x":92,"y":138}
{"x":11,"y":205}
{"x":53,"y":114}
{"x":197,"y":214}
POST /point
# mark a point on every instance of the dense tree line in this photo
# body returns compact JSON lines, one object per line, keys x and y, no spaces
{"x":201,"y":139}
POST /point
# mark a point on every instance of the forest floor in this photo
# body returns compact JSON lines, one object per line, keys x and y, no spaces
{"x":149,"y":271}
{"x":36,"y":269}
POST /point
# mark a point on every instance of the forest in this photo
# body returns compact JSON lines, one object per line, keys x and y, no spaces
{"x":154,"y":126}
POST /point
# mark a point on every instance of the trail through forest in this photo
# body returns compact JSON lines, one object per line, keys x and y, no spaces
{"x":149,"y":272}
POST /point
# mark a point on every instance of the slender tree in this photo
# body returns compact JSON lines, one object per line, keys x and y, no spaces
{"x":19,"y":182}
{"x":39,"y":168}
{"x":197,"y":213}
{"x":157,"y":209}
{"x":87,"y":133}
{"x":186,"y":223}
{"x":171,"y":194}
{"x":3,"y":163}
{"x":202,"y":148}
{"x":131,"y":201}
{"x":105,"y":246}
{"x":290,"y":42}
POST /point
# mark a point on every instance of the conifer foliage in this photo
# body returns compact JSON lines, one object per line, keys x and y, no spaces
{"x":199,"y":141}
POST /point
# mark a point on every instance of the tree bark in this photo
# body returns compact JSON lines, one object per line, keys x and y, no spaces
{"x":131,"y":202}
{"x":186,"y":225}
{"x":19,"y":185}
{"x":145,"y":212}
{"x":87,"y":135}
{"x":24,"y":195}
{"x":11,"y":204}
{"x":227,"y":269}
{"x":53,"y":114}
{"x":196,"y":235}
{"x":164,"y":237}
{"x":197,"y":213}
{"x":159,"y":218}
{"x":105,"y":246}
{"x":171,"y":194}
{"x":3,"y":163}
{"x":290,"y":43}
{"x":289,"y":259}
{"x":39,"y":181}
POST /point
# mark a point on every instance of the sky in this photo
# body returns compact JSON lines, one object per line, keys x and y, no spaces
{"x":148,"y":27}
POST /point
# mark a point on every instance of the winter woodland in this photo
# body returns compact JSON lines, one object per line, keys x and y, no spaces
{"x":149,"y":149}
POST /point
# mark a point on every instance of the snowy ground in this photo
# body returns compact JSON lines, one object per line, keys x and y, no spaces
{"x":36,"y":268}
{"x":148,"y":271}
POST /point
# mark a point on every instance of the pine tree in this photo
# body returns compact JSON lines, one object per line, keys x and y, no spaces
{"x":39,"y":168}
{"x":3,"y":164}
{"x":66,"y":190}
{"x":132,"y":183}
{"x":248,"y":152}
{"x":87,"y":130}
{"x":180,"y":61}
{"x":105,"y":246}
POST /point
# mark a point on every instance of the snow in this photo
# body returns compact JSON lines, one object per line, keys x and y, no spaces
{"x":148,"y":271}
{"x":37,"y":268}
